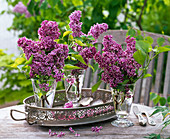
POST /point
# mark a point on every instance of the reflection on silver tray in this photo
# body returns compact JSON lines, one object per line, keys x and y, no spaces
{"x":58,"y":116}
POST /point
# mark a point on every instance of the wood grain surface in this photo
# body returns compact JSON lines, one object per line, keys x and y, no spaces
{"x":22,"y":130}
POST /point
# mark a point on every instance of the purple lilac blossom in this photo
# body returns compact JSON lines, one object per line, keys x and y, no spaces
{"x":68,"y":105}
{"x":61,"y":134}
{"x":45,"y":87}
{"x":96,"y":129}
{"x":117,"y":64}
{"x":74,"y":24}
{"x":70,"y":80}
{"x":48,"y":56}
{"x":22,"y":9}
{"x":48,"y":29}
{"x":27,"y":14}
{"x":87,"y":54}
{"x":97,"y":30}
{"x":71,"y":130}
{"x":49,"y":132}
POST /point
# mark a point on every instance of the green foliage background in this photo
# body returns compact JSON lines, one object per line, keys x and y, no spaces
{"x":149,"y":15}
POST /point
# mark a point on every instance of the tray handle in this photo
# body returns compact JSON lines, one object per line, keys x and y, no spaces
{"x":11,"y":113}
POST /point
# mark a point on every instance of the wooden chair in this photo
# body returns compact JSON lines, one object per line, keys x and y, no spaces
{"x":143,"y":86}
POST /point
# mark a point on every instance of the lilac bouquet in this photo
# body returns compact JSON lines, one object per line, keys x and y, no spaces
{"x":45,"y":59}
{"x":47,"y":56}
{"x":118,"y":65}
{"x":81,"y":50}
{"x":119,"y":68}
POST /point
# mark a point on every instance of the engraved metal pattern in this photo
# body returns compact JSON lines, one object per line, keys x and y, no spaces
{"x":59,"y":116}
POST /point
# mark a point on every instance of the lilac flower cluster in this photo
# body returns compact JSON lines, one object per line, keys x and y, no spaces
{"x":96,"y":129}
{"x":117,"y":65}
{"x":45,"y":87}
{"x":61,"y":134}
{"x":98,"y":29}
{"x":71,"y":80}
{"x":55,"y":134}
{"x":48,"y":56}
{"x":51,"y":134}
{"x":74,"y":24}
{"x":86,"y":52}
{"x":73,"y":131}
{"x":48,"y":31}
{"x":22,"y":9}
{"x":93,"y":129}
{"x":68,"y":105}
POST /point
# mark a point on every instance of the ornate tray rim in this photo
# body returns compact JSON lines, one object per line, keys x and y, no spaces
{"x":80,"y":122}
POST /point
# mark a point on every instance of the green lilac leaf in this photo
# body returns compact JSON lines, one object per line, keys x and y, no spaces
{"x":149,"y":39}
{"x":71,"y":51}
{"x":2,"y":12}
{"x":91,"y":67}
{"x":44,"y":5}
{"x":163,"y":49}
{"x":96,"y":66}
{"x":30,"y":7}
{"x":166,"y":123}
{"x":160,"y":41}
{"x":156,"y":100}
{"x":124,"y":82}
{"x":91,"y":37}
{"x":168,"y":99}
{"x":24,"y":83}
{"x":139,"y":57}
{"x":153,"y":96}
{"x":83,"y":37}
{"x":139,"y":37}
{"x":153,"y":136}
{"x":77,"y":2}
{"x":131,"y":32}
{"x":100,"y":74}
{"x":52,"y":2}
{"x":70,"y":67}
{"x":142,"y":45}
{"x":25,"y":2}
{"x":70,"y":37}
{"x":68,"y":28}
{"x":147,"y":75}
{"x":29,"y":61}
{"x":95,"y":87}
{"x":155,"y":49}
{"x":79,"y":42}
{"x":79,"y":57}
{"x":156,"y":111}
{"x":165,"y":113}
{"x":150,"y":48}
{"x":162,"y":101}
{"x":66,"y":33}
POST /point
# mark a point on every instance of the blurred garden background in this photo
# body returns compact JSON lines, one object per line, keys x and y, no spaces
{"x":20,"y":18}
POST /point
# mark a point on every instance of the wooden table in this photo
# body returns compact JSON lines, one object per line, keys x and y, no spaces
{"x":20,"y":129}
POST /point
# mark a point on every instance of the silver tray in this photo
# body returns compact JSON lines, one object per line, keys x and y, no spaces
{"x":59,"y":116}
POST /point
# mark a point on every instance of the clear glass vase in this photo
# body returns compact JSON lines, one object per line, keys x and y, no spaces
{"x":44,"y":92}
{"x":73,"y":85}
{"x":122,"y":99}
